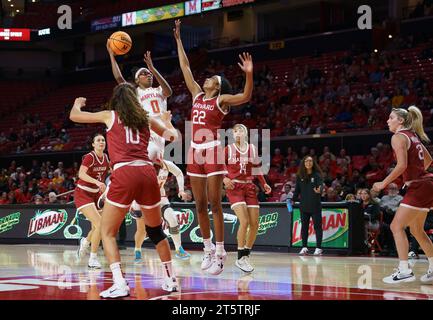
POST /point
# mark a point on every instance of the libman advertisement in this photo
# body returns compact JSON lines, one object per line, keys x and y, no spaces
{"x":335,"y":225}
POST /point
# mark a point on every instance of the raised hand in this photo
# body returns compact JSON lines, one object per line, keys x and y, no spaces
{"x":110,"y":51}
{"x":247,"y":62}
{"x":176,"y":29}
{"x":166,"y":116}
{"x":80,"y":102}
{"x":148,"y":60}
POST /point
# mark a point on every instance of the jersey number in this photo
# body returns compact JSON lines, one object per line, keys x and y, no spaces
{"x":130,"y":136}
{"x":155,"y":106}
{"x":198,"y":116}
{"x":420,"y":152}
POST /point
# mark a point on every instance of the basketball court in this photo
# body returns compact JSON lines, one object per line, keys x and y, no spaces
{"x":52,"y":272}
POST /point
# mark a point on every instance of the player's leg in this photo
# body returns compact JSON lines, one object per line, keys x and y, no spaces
{"x":92,"y":214}
{"x":241,"y":212}
{"x":402,"y":219}
{"x":417,"y":230}
{"x":215,"y":185}
{"x":139,"y":236}
{"x":199,"y":190}
{"x":153,"y":222}
{"x":173,"y":226}
{"x":112,"y":217}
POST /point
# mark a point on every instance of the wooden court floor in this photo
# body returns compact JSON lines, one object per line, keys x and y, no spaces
{"x":53,"y":272}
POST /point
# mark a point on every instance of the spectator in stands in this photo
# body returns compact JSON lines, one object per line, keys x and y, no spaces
{"x":287,"y":192}
{"x":397,"y":99}
{"x":342,"y":156}
{"x":38,"y":199}
{"x":331,"y":195}
{"x":388,"y":205}
{"x":11,"y":197}
{"x":277,"y":159}
{"x":327,"y":154}
{"x":371,"y":211}
{"x":4,"y":198}
{"x":52,"y":198}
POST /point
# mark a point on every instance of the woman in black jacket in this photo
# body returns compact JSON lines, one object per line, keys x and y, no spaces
{"x":309,"y":184}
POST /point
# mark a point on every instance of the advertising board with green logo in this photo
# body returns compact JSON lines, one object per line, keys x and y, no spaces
{"x":7,"y":223}
{"x":335,"y":224}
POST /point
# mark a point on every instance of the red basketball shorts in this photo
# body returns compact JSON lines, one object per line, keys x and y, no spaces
{"x":419,"y":195}
{"x":83,"y":198}
{"x":206,"y":162}
{"x":129,"y":183}
{"x":243,"y":193}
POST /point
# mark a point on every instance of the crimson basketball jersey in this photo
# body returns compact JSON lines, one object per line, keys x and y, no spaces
{"x":97,"y":169}
{"x":240,"y":164}
{"x":415,"y":157}
{"x":207,"y":117}
{"x":126,"y":144}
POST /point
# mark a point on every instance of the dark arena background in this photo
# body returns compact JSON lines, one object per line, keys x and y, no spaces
{"x":327,"y":75}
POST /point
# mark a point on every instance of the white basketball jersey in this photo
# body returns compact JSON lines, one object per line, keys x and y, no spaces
{"x":153,"y":101}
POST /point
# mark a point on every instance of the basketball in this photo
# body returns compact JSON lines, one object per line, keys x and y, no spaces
{"x":120,"y":43}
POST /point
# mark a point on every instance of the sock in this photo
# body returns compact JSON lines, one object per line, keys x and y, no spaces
{"x":176,"y":240}
{"x":137,"y":249}
{"x":403,"y":265}
{"x":167,"y":269}
{"x":240,"y":253}
{"x":93,"y":255}
{"x":220,"y":248}
{"x":247,"y":251}
{"x":86,"y":242}
{"x":117,"y":273}
{"x":430,"y":261}
{"x":207,"y":244}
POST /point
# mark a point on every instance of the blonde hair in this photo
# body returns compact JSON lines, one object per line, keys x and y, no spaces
{"x":413,"y":120}
{"x":244,"y":128}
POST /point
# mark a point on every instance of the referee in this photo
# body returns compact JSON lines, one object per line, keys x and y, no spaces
{"x":309,"y":186}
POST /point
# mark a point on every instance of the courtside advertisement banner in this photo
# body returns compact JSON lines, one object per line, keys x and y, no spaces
{"x":230,"y":3}
{"x":335,"y":224}
{"x":14,"y":34}
{"x":106,"y":23}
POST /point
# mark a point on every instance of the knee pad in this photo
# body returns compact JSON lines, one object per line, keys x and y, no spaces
{"x":155,"y":234}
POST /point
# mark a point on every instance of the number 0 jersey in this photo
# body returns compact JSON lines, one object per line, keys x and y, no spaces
{"x":125,"y":144}
{"x":153,"y":101}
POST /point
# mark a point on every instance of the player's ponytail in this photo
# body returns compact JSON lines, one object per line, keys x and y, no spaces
{"x":415,"y":121}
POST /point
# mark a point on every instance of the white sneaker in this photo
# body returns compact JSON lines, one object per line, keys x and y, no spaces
{"x":304,"y":251}
{"x":170,"y":284}
{"x":207,"y":259}
{"x":244,"y":264}
{"x":318,"y":252}
{"x":217,"y":264}
{"x":428,"y":277}
{"x":94,"y":263}
{"x":84,"y":248}
{"x":412,"y":255}
{"x":116,"y":291}
{"x":399,"y":276}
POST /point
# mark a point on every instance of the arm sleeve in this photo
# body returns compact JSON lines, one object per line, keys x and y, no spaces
{"x":175,"y":170}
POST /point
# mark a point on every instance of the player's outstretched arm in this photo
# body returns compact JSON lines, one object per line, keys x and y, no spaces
{"x":164,"y":128}
{"x":79,"y":116}
{"x":114,"y":66}
{"x":246,"y":66}
{"x":192,"y":85}
{"x":166,"y":89}
{"x":175,"y":170}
